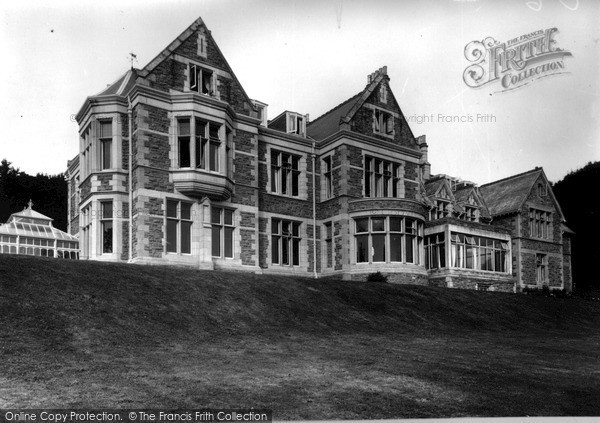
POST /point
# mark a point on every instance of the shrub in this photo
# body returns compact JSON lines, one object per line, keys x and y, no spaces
{"x":377,"y":277}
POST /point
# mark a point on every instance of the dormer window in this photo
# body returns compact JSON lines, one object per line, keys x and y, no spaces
{"x":201,"y":80}
{"x":383,"y":122}
{"x":296,"y":124}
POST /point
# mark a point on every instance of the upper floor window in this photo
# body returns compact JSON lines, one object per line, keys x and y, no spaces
{"x":440,"y":210}
{"x":285,"y":173}
{"x":540,"y":224}
{"x":285,"y":242}
{"x":105,"y":139}
{"x":327,"y":177}
{"x":222,"y":232}
{"x":470,"y":214}
{"x":296,"y":124}
{"x":541,"y":189}
{"x":198,"y":144}
{"x":383,"y":94}
{"x":383,"y":122}
{"x":179,"y":227}
{"x":382,"y":178}
{"x":201,"y":80}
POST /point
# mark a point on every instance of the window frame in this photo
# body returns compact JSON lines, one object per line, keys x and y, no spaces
{"x":285,"y":173}
{"x":105,"y":143}
{"x":382,"y":178}
{"x":198,"y":78}
{"x":285,"y":245}
{"x":328,"y":176}
{"x":107,"y":227}
{"x":222,"y":228}
{"x":203,"y":144}
{"x":408,"y":233}
{"x":181,"y":224}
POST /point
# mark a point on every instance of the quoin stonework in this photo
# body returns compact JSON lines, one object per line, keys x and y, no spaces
{"x":177,"y":165}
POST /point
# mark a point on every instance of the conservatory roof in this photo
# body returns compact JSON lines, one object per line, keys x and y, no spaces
{"x":34,"y":230}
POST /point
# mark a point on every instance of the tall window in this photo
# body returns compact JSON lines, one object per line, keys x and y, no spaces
{"x":541,"y":261}
{"x":179,"y":227}
{"x":382,"y":178}
{"x":383,"y":122}
{"x":285,"y":173}
{"x":201,"y":80}
{"x":479,"y":253}
{"x":327,"y":176}
{"x":222,"y":232}
{"x":106,"y":224}
{"x":329,"y":244}
{"x":388,"y":239}
{"x":435,"y":251}
{"x":540,"y":224}
{"x":105,"y":143}
{"x":285,"y":242}
{"x":198,"y":144}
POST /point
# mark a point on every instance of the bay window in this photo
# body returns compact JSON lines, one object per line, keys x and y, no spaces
{"x":198,"y":144}
{"x":388,"y":239}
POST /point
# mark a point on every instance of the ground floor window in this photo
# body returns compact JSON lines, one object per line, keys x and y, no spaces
{"x":107,"y":226}
{"x":388,"y":239}
{"x":435,"y":251}
{"x":479,"y":253}
{"x":285,"y":242}
{"x":222,"y":232}
{"x":179,"y":227}
{"x":541,"y":261}
{"x":329,"y":244}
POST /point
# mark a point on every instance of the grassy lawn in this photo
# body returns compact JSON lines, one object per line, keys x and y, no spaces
{"x":78,"y":334}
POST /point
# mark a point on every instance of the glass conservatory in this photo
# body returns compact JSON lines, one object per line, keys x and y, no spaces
{"x":31,"y":233}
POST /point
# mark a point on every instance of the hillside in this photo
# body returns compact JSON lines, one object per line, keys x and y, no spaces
{"x":122,"y":335}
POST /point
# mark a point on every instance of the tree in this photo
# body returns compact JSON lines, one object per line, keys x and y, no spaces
{"x":581,"y":206}
{"x":48,"y":193}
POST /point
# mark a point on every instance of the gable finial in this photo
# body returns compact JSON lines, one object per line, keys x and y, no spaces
{"x":30,"y":204}
{"x":132,"y":57}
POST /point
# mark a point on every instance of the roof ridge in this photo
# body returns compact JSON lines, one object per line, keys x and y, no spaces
{"x":335,"y":108}
{"x":536,"y":169}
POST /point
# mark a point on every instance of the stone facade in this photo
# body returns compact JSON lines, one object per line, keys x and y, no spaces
{"x":215,"y":185}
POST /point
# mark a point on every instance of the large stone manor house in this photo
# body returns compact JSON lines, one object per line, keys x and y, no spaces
{"x":177,"y":165}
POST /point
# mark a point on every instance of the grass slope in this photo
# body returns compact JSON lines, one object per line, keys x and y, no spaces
{"x":88,"y":334}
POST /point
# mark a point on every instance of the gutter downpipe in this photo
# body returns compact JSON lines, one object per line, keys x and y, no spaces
{"x":130,"y":120}
{"x":314,"y":209}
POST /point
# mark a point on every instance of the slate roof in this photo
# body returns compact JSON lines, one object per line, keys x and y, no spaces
{"x":329,"y":123}
{"x":122,"y":85}
{"x":432,"y":186}
{"x":508,"y":195}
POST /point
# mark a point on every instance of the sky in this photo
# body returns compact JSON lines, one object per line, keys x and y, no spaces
{"x":309,"y":56}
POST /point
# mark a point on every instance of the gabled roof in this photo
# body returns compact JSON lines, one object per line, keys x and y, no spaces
{"x":435,"y":184}
{"x":462,"y":197}
{"x":329,"y":123}
{"x":509,"y":194}
{"x":29,"y":213}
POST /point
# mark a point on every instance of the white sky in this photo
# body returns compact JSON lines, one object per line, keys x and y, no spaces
{"x":309,"y":56}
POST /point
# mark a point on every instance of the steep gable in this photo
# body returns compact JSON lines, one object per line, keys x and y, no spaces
{"x":373,"y":112}
{"x":510,"y":194}
{"x":180,"y":67}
